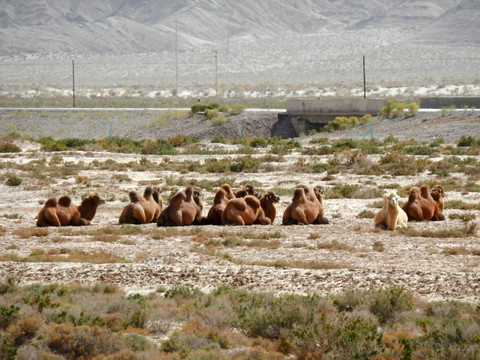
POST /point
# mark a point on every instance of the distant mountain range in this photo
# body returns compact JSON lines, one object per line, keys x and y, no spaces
{"x":149,"y":26}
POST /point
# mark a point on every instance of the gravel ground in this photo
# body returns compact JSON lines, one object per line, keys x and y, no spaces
{"x":353,"y":253}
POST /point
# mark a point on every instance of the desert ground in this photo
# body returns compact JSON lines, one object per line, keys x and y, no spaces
{"x":348,"y":253}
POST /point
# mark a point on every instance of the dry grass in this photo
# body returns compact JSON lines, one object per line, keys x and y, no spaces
{"x":26,"y":233}
{"x":468,"y":230}
{"x":335,"y":245}
{"x":66,"y":255}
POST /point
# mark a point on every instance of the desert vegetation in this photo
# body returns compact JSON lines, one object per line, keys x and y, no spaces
{"x":338,"y":291}
{"x":102,"y":322}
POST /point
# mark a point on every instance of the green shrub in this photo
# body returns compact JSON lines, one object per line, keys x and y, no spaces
{"x":181,"y":140}
{"x":213,"y":105}
{"x":212,"y":113}
{"x":341,"y":123}
{"x":466,"y":141}
{"x":237,"y":109}
{"x":196,"y":108}
{"x":387,"y":303}
{"x":157,"y":147}
{"x":219,"y":120}
{"x":413,"y":108}
{"x":220,"y":139}
{"x":258,"y":142}
{"x":13,"y":180}
{"x":388,"y":109}
{"x":9,"y":148}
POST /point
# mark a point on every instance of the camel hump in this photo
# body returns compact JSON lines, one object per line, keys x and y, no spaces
{"x":414,"y":193}
{"x":228,"y":191}
{"x":220,"y":195}
{"x":156,"y":195}
{"x":64,"y":201}
{"x":425,"y":191}
{"x":298,"y":194}
{"x":51,"y":202}
{"x":252,"y":201}
{"x":177,"y":198}
{"x":148,"y":191}
{"x":134,"y":196}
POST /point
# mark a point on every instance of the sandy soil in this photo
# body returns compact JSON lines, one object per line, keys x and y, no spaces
{"x":348,"y":247}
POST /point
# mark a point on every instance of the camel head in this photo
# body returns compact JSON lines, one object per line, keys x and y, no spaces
{"x":437,"y":193}
{"x":392,"y":199}
{"x":271,"y":197}
{"x":89,"y":206}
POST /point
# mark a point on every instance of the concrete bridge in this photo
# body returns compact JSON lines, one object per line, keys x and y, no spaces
{"x":305,"y":115}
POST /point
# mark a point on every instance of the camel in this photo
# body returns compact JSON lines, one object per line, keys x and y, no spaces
{"x":182,"y":209}
{"x":438,"y":194}
{"x":391,"y":216}
{"x":246,"y":190}
{"x":63,"y":212}
{"x":306,"y":208}
{"x":420,"y":205}
{"x":244,"y":211}
{"x":267,"y":202}
{"x":225,"y":193}
{"x":142,"y":209}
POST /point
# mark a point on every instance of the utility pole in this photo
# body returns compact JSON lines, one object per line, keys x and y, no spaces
{"x":216,"y":75}
{"x":364,"y":80}
{"x":176,"y":58}
{"x":73,"y":82}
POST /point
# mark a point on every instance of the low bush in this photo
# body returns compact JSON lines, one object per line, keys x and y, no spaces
{"x":12,"y":179}
{"x":9,"y":148}
{"x":341,"y":123}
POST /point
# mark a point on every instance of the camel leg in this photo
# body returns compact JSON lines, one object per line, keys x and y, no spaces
{"x":52,"y":218}
{"x":234,"y":220}
{"x":177,"y":218}
{"x":78,"y":221}
{"x":300,"y":217}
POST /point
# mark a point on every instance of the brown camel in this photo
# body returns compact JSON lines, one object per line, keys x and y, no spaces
{"x":420,"y":205}
{"x":438,"y":194}
{"x":225,"y":193}
{"x":321,"y":219}
{"x":63,"y":212}
{"x":246,"y":190}
{"x":306,"y":208}
{"x":391,"y":216}
{"x":142,"y":209}
{"x":244,"y":211}
{"x":182,"y":209}
{"x":267,"y":202}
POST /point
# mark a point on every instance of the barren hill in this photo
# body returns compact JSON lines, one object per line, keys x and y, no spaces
{"x":129,"y":26}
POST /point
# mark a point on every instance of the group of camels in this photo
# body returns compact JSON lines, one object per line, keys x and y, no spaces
{"x":243,"y":207}
{"x":422,"y":204}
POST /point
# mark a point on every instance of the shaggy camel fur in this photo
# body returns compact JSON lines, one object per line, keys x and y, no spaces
{"x":182,"y":209}
{"x":306,"y":208}
{"x":244,"y":211}
{"x":142,"y":209}
{"x":62,"y":212}
{"x":421,"y":205}
{"x":225,"y":193}
{"x":391,"y":216}
{"x":438,"y":194}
